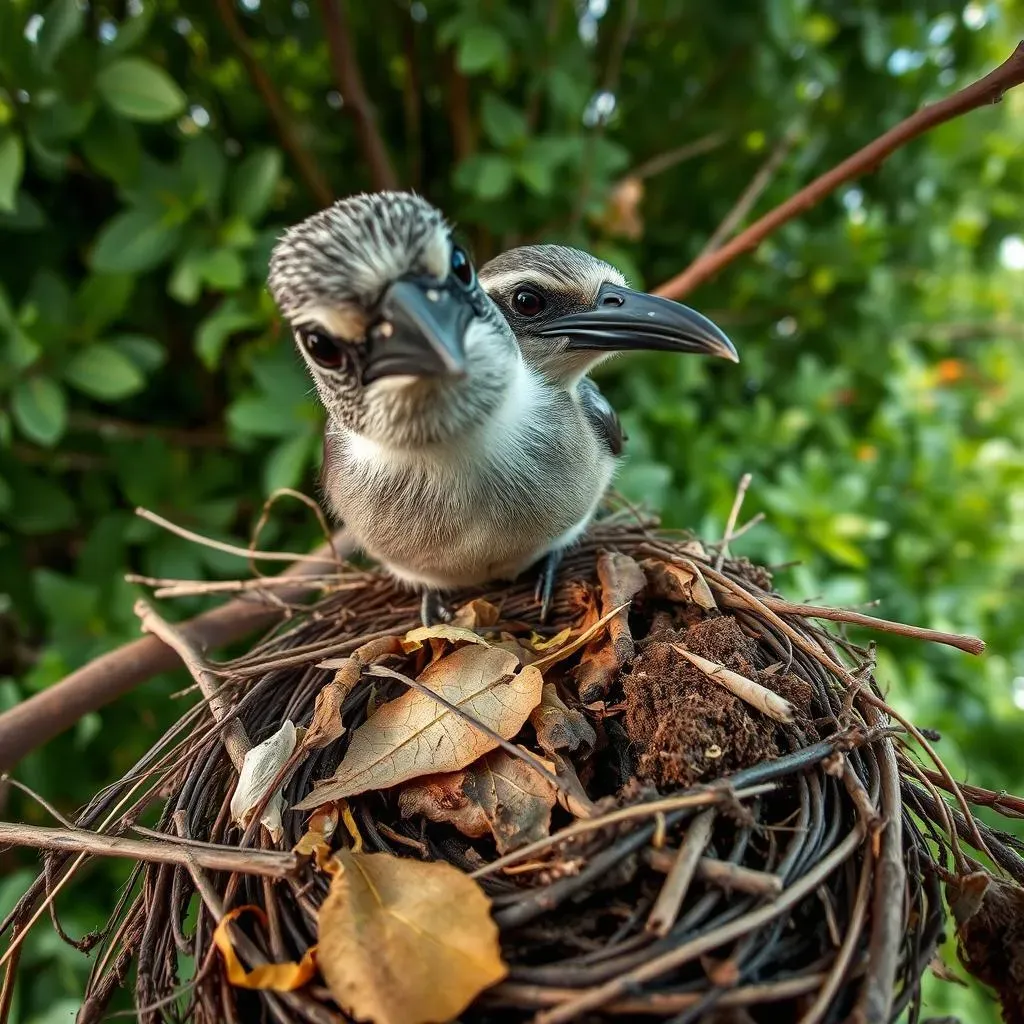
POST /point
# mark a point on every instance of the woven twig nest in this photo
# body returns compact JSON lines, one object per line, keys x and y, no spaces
{"x":712,"y":814}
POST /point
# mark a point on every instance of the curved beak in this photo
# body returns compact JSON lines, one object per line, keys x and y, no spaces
{"x":626,"y":320}
{"x":420,"y":330}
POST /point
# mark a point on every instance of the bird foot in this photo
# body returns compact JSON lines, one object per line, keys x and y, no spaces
{"x":433,"y":610}
{"x":546,"y":582}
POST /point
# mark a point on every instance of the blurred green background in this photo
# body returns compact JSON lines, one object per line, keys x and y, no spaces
{"x":151,"y":152}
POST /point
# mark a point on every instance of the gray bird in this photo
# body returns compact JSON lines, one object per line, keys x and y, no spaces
{"x":464,"y":442}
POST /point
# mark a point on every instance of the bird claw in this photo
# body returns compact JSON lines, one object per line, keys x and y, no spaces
{"x":433,"y":610}
{"x":546,"y":582}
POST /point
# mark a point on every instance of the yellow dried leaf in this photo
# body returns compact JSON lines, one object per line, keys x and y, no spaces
{"x":276,"y":977}
{"x":552,"y":642}
{"x":322,"y":823}
{"x":406,"y":942}
{"x":476,"y":614}
{"x":570,"y":648}
{"x":416,"y":638}
{"x":415,"y":735}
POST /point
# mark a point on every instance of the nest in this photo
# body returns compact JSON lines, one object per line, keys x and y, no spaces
{"x":739,"y":827}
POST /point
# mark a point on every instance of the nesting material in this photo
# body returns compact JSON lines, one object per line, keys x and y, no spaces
{"x":682,"y":800}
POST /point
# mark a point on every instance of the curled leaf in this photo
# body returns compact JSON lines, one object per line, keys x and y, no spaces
{"x":681,"y":582}
{"x":259,"y":769}
{"x":322,"y":823}
{"x":499,"y":793}
{"x":277,"y":977}
{"x":476,"y":614}
{"x":415,"y":735}
{"x":572,"y":646}
{"x":406,"y":942}
{"x":327,"y":725}
{"x":559,"y":727}
{"x":453,"y":634}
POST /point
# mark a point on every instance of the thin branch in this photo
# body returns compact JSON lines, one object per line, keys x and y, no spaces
{"x":282,"y":118}
{"x":1006,"y":804}
{"x":662,"y":162}
{"x":734,"y":514}
{"x":348,"y":78}
{"x":236,"y":740}
{"x":272,"y":863}
{"x":50,"y":712}
{"x":663,"y":914}
{"x":750,"y":195}
{"x":722,"y":873}
{"x":989,"y":89}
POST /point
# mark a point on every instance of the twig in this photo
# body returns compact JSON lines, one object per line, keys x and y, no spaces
{"x":989,"y":89}
{"x":348,"y":78}
{"x":282,"y":118}
{"x":722,"y":873}
{"x":600,"y":995}
{"x":754,"y":694}
{"x":687,"y":151}
{"x":968,"y":644}
{"x":194,"y":588}
{"x":272,"y":863}
{"x":1003,"y":803}
{"x":236,"y":740}
{"x":677,"y":883}
{"x":750,"y":195}
{"x":730,"y":525}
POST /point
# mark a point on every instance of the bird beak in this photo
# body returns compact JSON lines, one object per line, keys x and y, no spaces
{"x":626,"y":320}
{"x":420,"y":331}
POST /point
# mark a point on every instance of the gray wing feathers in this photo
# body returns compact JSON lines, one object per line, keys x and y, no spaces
{"x":601,"y":415}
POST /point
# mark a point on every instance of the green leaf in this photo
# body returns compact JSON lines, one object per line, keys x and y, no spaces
{"x":133,"y":30}
{"x":111,"y":145}
{"x":502,"y":122}
{"x":22,"y":351}
{"x":40,"y":409}
{"x":486,"y":175}
{"x":288,"y":462}
{"x":101,"y":371}
{"x":261,"y":416}
{"x":205,"y":167}
{"x":139,"y":90}
{"x":537,"y":175}
{"x":27,"y":215}
{"x":254,"y":182}
{"x":100,"y":300}
{"x":134,"y":241}
{"x":481,"y":47}
{"x":146,"y":353}
{"x":64,"y":598}
{"x":62,"y":21}
{"x":214,"y":331}
{"x":12,"y":165}
{"x":222,"y":269}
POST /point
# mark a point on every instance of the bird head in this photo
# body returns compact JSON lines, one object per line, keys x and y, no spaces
{"x":569,"y":310}
{"x":402,"y":342}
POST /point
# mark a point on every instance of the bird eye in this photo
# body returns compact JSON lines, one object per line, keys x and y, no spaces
{"x":528,"y":302}
{"x":324,"y":350}
{"x":461,"y":266}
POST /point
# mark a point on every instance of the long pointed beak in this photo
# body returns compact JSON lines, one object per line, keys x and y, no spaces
{"x":420,"y":331}
{"x":625,"y":320}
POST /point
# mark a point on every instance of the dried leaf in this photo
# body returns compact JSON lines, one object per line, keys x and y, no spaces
{"x":499,"y":793}
{"x":259,"y":769}
{"x":756,"y":695}
{"x":414,"y":735}
{"x":276,"y":977}
{"x":681,"y":582}
{"x":319,"y":829}
{"x":416,"y":638}
{"x":476,"y":614}
{"x":406,"y":942}
{"x":326,"y":725}
{"x":570,"y":648}
{"x":559,"y":727}
{"x":540,"y":644}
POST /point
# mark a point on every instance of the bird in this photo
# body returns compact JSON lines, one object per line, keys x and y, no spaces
{"x":464,"y":442}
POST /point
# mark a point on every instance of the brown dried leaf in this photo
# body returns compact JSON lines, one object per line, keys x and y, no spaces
{"x":572,"y":646}
{"x":414,"y":735}
{"x":681,"y":582}
{"x":406,"y":942}
{"x":559,"y":727}
{"x":540,"y":644}
{"x":499,"y":793}
{"x":453,"y":634}
{"x":319,"y":829}
{"x":326,"y":725}
{"x":476,"y":614}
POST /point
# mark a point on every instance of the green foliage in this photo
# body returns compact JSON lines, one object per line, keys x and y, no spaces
{"x":143,"y":182}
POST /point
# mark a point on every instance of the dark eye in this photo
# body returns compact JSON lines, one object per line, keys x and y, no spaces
{"x":324,"y":350}
{"x":528,"y":302}
{"x":461,"y":267}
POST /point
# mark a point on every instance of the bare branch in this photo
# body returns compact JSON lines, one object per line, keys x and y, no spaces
{"x":989,"y":89}
{"x":282,"y":118}
{"x":349,"y":80}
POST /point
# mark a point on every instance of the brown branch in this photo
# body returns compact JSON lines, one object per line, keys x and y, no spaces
{"x":272,"y":863}
{"x":662,"y":162}
{"x":750,"y":195}
{"x":989,"y":89}
{"x":282,"y":117}
{"x":1006,"y":804}
{"x":349,"y":81}
{"x":50,"y":712}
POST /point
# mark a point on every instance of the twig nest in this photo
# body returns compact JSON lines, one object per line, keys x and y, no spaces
{"x":680,"y":800}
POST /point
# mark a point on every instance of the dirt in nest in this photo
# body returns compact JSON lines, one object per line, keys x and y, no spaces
{"x":992,"y":944}
{"x":686,"y":729}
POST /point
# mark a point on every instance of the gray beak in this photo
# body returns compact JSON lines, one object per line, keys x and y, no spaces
{"x":420,"y":331}
{"x":625,"y":320}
